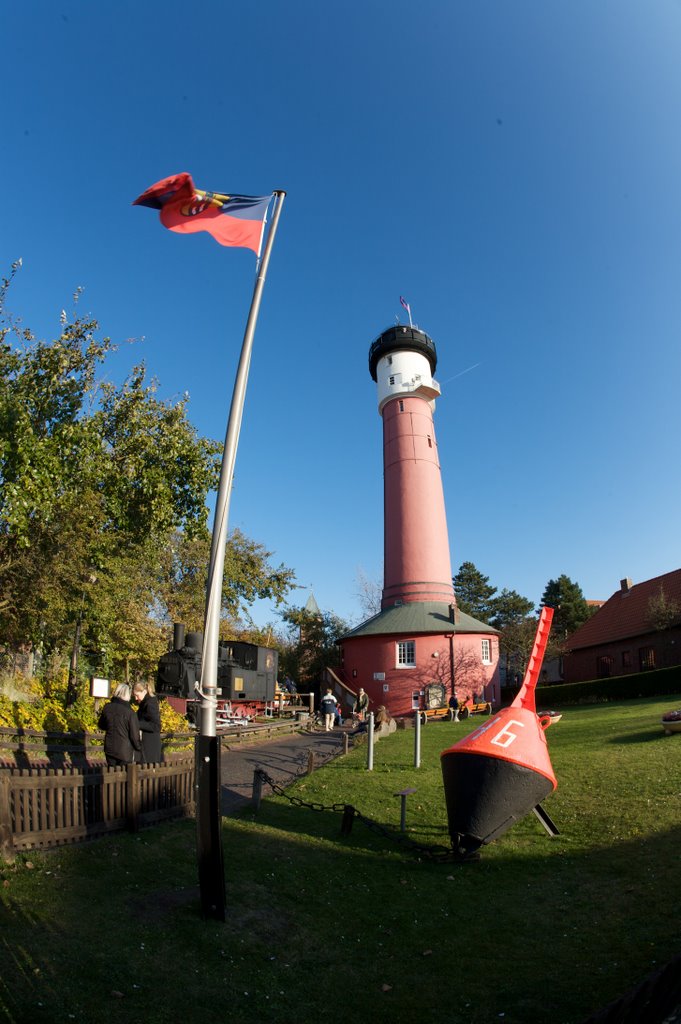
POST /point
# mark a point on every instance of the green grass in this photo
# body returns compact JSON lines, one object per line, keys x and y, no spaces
{"x":319,"y":926}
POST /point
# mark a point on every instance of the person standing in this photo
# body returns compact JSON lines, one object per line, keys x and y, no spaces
{"x":149,"y":719}
{"x":361,"y":704}
{"x":328,"y":709}
{"x":119,"y":722}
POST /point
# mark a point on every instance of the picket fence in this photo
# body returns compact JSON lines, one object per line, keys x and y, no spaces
{"x":47,"y":807}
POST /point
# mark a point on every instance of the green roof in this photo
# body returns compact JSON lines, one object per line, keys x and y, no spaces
{"x":418,"y":617}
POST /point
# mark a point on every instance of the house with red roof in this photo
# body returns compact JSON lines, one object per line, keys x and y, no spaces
{"x":636,"y":630}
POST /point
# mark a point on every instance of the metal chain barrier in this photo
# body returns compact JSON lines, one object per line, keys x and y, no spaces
{"x":438,"y":854}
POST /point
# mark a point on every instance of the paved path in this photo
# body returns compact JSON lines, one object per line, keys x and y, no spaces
{"x":282,"y":759}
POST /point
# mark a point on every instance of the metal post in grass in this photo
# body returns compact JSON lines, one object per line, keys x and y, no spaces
{"x":370,"y":742}
{"x":417,"y":739}
{"x":257,"y":788}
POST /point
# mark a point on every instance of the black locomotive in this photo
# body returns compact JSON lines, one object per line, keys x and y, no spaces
{"x":247,"y":674}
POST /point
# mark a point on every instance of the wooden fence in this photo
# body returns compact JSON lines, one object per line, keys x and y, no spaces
{"x":45,"y":807}
{"x":32,"y":748}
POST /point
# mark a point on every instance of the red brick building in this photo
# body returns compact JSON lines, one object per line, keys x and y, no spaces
{"x":636,"y":630}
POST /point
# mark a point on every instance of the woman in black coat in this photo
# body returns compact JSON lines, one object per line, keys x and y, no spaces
{"x":119,"y":723}
{"x":149,"y":719}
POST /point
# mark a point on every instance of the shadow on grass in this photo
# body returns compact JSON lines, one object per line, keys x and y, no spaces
{"x":639,"y":737}
{"x":304,"y":916}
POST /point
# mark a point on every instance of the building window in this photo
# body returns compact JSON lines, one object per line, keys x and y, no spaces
{"x":406,"y":654}
{"x":646,"y":658}
{"x":626,"y":659}
{"x":486,"y":652}
{"x":401,"y":406}
{"x":604,"y":667}
{"x":430,"y":443}
{"x":391,"y":380}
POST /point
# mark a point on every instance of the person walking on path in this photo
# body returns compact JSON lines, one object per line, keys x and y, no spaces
{"x":149,"y":719}
{"x":328,"y":709}
{"x":122,"y":733}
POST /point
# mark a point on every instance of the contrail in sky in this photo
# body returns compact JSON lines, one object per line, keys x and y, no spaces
{"x":460,"y":374}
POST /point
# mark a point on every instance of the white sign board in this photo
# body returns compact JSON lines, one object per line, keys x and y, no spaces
{"x":99,"y":687}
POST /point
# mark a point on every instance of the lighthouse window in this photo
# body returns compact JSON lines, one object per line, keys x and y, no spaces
{"x":391,"y":380}
{"x":406,"y":654}
{"x":486,"y":652}
{"x":401,"y":406}
{"x":430,"y":443}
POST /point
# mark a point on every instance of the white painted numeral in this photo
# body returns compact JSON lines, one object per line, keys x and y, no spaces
{"x":504,"y":738}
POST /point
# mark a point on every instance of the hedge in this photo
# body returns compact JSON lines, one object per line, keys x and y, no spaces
{"x":658,"y":683}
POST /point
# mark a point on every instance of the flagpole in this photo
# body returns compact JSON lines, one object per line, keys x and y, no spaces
{"x":219,"y":541}
{"x":211,"y":871}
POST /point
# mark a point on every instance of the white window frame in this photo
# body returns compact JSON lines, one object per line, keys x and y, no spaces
{"x":486,"y":645}
{"x":405,"y":654}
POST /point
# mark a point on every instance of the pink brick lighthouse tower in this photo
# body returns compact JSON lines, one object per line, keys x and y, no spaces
{"x":419,"y":649}
{"x":416,"y":545}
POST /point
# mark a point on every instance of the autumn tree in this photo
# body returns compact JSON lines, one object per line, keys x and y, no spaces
{"x":96,"y":480}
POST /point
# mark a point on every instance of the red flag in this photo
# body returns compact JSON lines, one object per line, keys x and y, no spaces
{"x":230,"y":219}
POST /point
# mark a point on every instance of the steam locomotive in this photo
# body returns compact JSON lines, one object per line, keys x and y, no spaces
{"x":246,"y":679}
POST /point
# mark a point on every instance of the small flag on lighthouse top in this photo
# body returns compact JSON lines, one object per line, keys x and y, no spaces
{"x":407,"y":307}
{"x":231,"y":219}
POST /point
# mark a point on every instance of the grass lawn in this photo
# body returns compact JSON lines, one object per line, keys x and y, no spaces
{"x":326,"y":928}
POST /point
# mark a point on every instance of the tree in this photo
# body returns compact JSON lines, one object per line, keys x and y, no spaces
{"x":663,"y":612}
{"x":570,"y":609}
{"x":312,"y":644}
{"x":95,"y":481}
{"x":473,"y":591}
{"x":369,"y":594}
{"x":513,"y":615}
{"x":248,"y":576}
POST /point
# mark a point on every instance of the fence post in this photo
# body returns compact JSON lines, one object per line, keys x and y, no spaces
{"x":6,"y":844}
{"x":310,"y":762}
{"x":132,"y":788}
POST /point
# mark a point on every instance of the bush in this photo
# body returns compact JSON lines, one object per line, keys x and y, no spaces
{"x":659,"y":683}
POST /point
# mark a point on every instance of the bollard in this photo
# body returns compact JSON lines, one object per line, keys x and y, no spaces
{"x":310,"y":762}
{"x":370,"y":742}
{"x":403,"y":794}
{"x":348,"y":818}
{"x":257,"y":788}
{"x":346,"y":743}
{"x":417,"y":739}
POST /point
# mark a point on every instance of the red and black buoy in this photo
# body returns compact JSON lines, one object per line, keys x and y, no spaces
{"x":501,"y":771}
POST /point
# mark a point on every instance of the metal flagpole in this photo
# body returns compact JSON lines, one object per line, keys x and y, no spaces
{"x":208,"y":818}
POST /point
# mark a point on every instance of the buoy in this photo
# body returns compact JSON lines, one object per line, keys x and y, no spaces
{"x":501,"y":771}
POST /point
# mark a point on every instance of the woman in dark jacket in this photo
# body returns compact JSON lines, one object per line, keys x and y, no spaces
{"x":149,"y":719}
{"x":119,"y":722}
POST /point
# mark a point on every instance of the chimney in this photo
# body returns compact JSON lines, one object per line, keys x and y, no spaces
{"x":626,"y":585}
{"x":178,"y":636}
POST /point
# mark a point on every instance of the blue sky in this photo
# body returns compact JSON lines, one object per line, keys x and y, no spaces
{"x":513,"y":169}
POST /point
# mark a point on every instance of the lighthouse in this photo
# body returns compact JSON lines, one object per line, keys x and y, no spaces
{"x":419,"y":649}
{"x":417,"y":565}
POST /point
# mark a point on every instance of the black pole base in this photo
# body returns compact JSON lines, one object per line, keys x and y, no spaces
{"x":209,"y":828}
